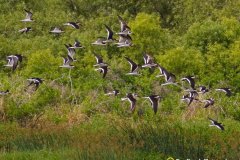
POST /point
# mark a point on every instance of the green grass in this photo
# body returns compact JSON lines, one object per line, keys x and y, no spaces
{"x":105,"y":137}
{"x":63,"y":154}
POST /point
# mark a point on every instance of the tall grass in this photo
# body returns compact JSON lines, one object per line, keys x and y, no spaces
{"x":108,"y":137}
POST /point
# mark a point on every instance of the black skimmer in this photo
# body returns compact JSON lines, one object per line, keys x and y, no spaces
{"x":25,"y":30}
{"x":101,"y":41}
{"x":13,"y":61}
{"x":109,"y":35}
{"x":71,"y":51}
{"x":203,"y":89}
{"x":56,"y":30}
{"x":134,"y":67}
{"x":193,"y":93}
{"x":67,"y":62}
{"x":72,"y":24}
{"x":76,"y":45}
{"x":125,"y":29}
{"x":2,"y":93}
{"x":28,"y":17}
{"x":187,"y":98}
{"x":216,"y":124}
{"x":227,"y":91}
{"x":114,"y":92}
{"x":208,"y":102}
{"x":99,"y":60}
{"x":162,"y":70}
{"x":190,"y":80}
{"x":103,"y":69}
{"x":154,"y":101}
{"x":148,"y":61}
{"x":169,"y":77}
{"x":124,"y":41}
{"x":35,"y":81}
{"x":131,"y":98}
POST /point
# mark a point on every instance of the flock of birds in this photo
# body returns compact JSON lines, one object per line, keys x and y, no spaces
{"x":125,"y":40}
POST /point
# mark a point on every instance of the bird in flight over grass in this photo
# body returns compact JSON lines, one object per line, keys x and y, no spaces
{"x":124,"y":41}
{"x":170,"y":78}
{"x":131,"y":98}
{"x":56,"y":30}
{"x":13,"y":61}
{"x":208,"y":102}
{"x":71,"y":51}
{"x":28,"y":17}
{"x":203,"y":89}
{"x":134,"y":67}
{"x":74,"y":25}
{"x":109,"y":35}
{"x":103,"y":70}
{"x":154,"y":99}
{"x":35,"y":81}
{"x":67,"y":62}
{"x":148,"y":61}
{"x":216,"y":124}
{"x":190,"y":80}
{"x":114,"y":92}
{"x":101,"y":41}
{"x":227,"y":91}
{"x":76,"y":45}
{"x":2,"y":93}
{"x":99,"y":60}
{"x":25,"y":30}
{"x":125,"y":29}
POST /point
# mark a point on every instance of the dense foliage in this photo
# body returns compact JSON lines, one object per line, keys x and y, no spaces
{"x":187,"y":37}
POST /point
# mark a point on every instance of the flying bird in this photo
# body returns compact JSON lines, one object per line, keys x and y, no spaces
{"x":101,"y":41}
{"x":134,"y":67}
{"x":72,"y":24}
{"x":35,"y":81}
{"x":193,"y":93}
{"x":170,"y":78}
{"x":216,"y":124}
{"x":124,"y":41}
{"x":2,"y":93}
{"x":162,"y":70}
{"x":109,"y":34}
{"x":125,"y":29}
{"x":13,"y":61}
{"x":25,"y":30}
{"x":103,"y":70}
{"x":187,"y":99}
{"x":76,"y":45}
{"x":208,"y":102}
{"x":154,"y":99}
{"x":227,"y":91}
{"x":28,"y":17}
{"x":56,"y":30}
{"x":190,"y":80}
{"x":148,"y":61}
{"x":131,"y":98}
{"x":67,"y":62}
{"x":203,"y":89}
{"x":71,"y":51}
{"x":99,"y":60}
{"x":114,"y":92}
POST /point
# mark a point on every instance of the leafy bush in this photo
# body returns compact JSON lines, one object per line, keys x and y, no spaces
{"x":24,"y":108}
